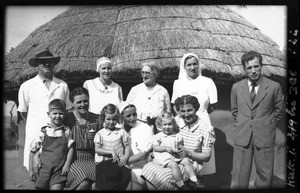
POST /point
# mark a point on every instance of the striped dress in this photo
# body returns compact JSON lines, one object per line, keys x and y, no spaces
{"x":83,"y":165}
{"x":161,"y":178}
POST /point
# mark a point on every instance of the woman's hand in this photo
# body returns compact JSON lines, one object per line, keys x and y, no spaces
{"x":31,"y":175}
{"x":182,"y":152}
{"x":170,"y":150}
{"x":91,"y":134}
{"x":65,"y":170}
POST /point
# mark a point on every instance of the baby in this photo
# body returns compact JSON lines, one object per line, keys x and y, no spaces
{"x":165,"y":147}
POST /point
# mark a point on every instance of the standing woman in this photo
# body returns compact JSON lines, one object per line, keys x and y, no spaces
{"x":83,"y":125}
{"x":103,"y":90}
{"x":190,"y":81}
{"x":149,"y":97}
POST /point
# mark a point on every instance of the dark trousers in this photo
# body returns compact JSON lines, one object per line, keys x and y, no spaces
{"x":242,"y":165}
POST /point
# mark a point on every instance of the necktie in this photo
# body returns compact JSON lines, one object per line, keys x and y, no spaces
{"x":252,"y":93}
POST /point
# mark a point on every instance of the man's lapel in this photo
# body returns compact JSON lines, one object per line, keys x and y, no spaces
{"x":245,"y":92}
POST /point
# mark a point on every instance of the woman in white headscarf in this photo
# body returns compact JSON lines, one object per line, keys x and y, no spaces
{"x":190,"y":81}
{"x":102,"y":90}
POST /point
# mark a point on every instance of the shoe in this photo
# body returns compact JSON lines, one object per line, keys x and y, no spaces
{"x":196,"y":185}
{"x":184,"y":188}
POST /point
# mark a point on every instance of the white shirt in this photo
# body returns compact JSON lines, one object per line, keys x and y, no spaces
{"x":51,"y":132}
{"x":149,"y":102}
{"x":34,"y":98}
{"x":250,"y":86}
{"x":100,"y":96}
{"x":140,"y":137}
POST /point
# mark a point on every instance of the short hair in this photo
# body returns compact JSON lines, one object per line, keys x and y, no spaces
{"x":166,"y":115}
{"x":78,"y":91}
{"x":57,"y":104}
{"x":176,"y":103}
{"x":110,"y":109}
{"x":189,"y":57}
{"x":153,"y":66}
{"x":187,"y":99}
{"x":248,"y":56}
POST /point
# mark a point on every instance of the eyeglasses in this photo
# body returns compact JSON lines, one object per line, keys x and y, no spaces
{"x":146,"y":73}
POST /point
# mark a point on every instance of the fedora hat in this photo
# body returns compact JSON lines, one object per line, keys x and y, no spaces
{"x":43,"y":55}
{"x":110,"y":176}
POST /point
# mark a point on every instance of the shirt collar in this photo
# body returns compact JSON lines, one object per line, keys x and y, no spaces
{"x":44,"y":79}
{"x":192,"y":127}
{"x":162,"y":134}
{"x":62,"y":127}
{"x":257,"y":82}
{"x":108,"y":132}
{"x":103,"y":88}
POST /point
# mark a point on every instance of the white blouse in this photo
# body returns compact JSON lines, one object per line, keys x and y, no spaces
{"x":149,"y":102}
{"x":100,"y":96}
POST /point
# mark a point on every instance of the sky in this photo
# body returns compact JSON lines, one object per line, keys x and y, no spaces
{"x":22,"y":20}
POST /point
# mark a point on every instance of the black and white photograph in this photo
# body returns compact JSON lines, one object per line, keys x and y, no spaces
{"x":150,"y":97}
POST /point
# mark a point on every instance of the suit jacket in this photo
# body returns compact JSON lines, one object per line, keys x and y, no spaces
{"x":261,"y":117}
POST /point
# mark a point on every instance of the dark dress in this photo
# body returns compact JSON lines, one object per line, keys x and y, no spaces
{"x":83,"y":165}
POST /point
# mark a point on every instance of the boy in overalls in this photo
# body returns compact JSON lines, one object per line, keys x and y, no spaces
{"x":54,"y":146}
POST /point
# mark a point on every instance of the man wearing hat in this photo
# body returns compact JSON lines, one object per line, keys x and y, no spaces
{"x":35,"y":95}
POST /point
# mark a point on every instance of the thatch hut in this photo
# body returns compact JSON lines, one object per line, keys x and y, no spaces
{"x":134,"y":34}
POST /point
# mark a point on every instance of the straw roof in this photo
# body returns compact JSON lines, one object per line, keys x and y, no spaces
{"x":130,"y":35}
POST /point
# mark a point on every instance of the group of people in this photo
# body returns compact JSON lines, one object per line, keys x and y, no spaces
{"x":93,"y":139}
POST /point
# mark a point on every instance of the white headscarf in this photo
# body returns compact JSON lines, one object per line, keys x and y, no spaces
{"x":101,"y":61}
{"x":123,"y":105}
{"x":182,"y":72}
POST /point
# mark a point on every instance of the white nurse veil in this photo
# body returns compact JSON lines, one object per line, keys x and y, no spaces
{"x":182,"y":73}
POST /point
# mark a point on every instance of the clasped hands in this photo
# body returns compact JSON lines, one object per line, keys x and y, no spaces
{"x":181,"y":151}
{"x":121,"y":160}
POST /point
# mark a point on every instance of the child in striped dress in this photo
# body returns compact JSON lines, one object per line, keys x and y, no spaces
{"x":111,"y":142}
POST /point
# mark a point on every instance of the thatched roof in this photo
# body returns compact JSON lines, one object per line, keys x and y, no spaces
{"x":134,"y":34}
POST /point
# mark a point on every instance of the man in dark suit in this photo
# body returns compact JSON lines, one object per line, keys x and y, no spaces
{"x":257,"y":105}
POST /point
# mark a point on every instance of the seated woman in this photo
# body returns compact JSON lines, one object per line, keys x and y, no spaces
{"x":84,"y":125}
{"x":140,"y":137}
{"x":198,"y":140}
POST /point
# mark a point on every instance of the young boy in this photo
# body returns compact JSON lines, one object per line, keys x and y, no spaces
{"x":55,"y":145}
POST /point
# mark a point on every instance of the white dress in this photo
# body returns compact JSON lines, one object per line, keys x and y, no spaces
{"x":100,"y":96}
{"x":202,"y":87}
{"x":34,"y":98}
